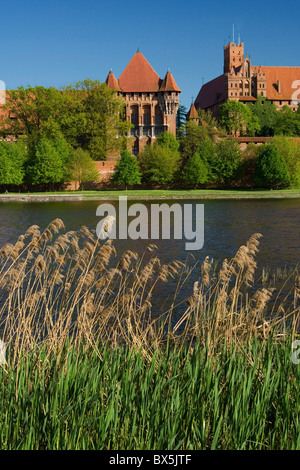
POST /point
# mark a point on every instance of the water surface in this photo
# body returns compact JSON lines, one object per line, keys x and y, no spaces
{"x":228,"y":224}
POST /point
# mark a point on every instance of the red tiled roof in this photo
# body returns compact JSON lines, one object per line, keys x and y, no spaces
{"x":192,"y":114}
{"x":112,"y":82}
{"x":169,"y":83}
{"x":286,"y":75}
{"x":212,"y":93}
{"x":139,"y":76}
{"x":247,"y":98}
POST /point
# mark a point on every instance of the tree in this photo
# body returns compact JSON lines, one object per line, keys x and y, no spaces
{"x":167,"y":139}
{"x":271,"y":167}
{"x":289,"y":148}
{"x":88,"y":115}
{"x":159,"y":164}
{"x":238,"y":119}
{"x":180,"y":120}
{"x":207,"y":152}
{"x":266,"y":113}
{"x":12,"y":160}
{"x":195,"y":171}
{"x":46,"y":165}
{"x":127,"y":171}
{"x":102,"y":118}
{"x":32,"y":108}
{"x":228,"y":161}
{"x":249,"y":162}
{"x":193,"y":137}
{"x":81,"y":168}
{"x":210,"y":123}
{"x":287,"y":122}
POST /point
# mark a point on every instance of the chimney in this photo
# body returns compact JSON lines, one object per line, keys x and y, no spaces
{"x":279,"y":86}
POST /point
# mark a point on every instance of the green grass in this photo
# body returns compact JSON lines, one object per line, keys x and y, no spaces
{"x":93,"y":364}
{"x":171,"y":193}
{"x":183,"y":399}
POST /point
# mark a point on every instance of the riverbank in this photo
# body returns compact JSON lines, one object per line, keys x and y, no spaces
{"x":150,"y":194}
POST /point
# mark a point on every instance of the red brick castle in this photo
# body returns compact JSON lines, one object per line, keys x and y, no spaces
{"x":244,"y":82}
{"x":151,"y":103}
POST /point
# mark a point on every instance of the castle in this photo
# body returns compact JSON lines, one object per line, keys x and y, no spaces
{"x":244,"y":82}
{"x":151,"y":103}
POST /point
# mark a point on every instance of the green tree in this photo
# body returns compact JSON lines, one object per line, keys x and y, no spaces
{"x":46,"y":165}
{"x":287,"y":122}
{"x":12,"y":160}
{"x":249,"y":162}
{"x":88,"y":115}
{"x":102,"y":125}
{"x":159,"y":164}
{"x":237,"y":119}
{"x":289,"y":148}
{"x":189,"y":143}
{"x":127,"y":171}
{"x":81,"y":168}
{"x":208,"y":154}
{"x":210,"y":123}
{"x":32,"y":108}
{"x":195,"y":171}
{"x":167,"y":139}
{"x":228,"y":161}
{"x":271,"y":167}
{"x":266,"y":113}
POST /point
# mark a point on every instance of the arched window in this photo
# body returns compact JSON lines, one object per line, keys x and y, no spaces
{"x":147,"y":115}
{"x":134,"y":115}
{"x":158,"y":116}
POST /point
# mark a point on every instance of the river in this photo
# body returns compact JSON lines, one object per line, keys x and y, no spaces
{"x":227,"y":225}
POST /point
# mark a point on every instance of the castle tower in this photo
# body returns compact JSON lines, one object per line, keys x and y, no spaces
{"x":192,"y":115}
{"x":233,"y":56}
{"x":151,"y":103}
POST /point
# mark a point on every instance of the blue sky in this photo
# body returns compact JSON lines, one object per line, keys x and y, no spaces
{"x":60,"y":42}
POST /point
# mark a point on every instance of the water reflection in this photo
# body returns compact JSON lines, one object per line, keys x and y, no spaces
{"x":228,"y":224}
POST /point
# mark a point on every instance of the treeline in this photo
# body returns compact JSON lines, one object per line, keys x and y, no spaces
{"x":202,"y":157}
{"x":59,"y":133}
{"x":47,"y":165}
{"x":260,"y":118}
{"x":88,"y":115}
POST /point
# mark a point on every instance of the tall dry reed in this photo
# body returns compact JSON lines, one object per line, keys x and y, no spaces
{"x":59,"y":288}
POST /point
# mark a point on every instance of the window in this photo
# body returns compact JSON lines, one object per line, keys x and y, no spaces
{"x":134,"y":115}
{"x":158,"y":116}
{"x":147,"y":115}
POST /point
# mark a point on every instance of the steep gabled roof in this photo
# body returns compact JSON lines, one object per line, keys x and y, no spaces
{"x":192,"y":114}
{"x":212,"y":93}
{"x":112,"y":82}
{"x":286,"y":75}
{"x":139,"y":76}
{"x":169,"y":83}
